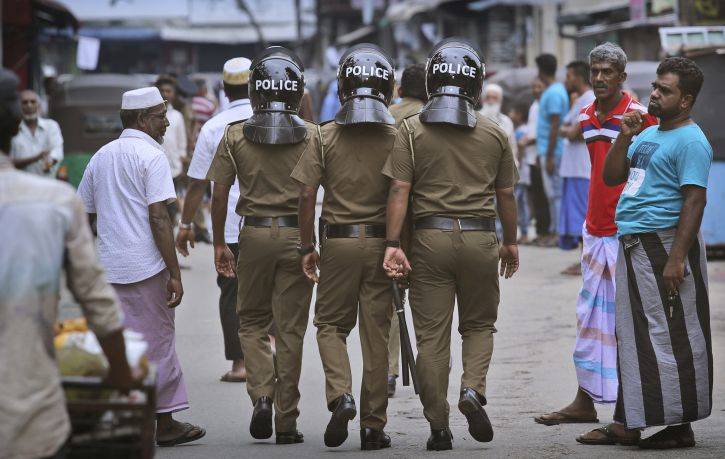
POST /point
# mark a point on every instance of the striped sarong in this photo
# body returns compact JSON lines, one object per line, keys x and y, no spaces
{"x":595,"y":351}
{"x":665,"y":350}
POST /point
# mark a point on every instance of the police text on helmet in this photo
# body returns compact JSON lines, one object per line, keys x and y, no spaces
{"x":455,"y":69}
{"x":359,"y":70}
{"x":277,"y":85}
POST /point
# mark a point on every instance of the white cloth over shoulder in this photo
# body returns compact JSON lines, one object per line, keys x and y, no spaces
{"x":122,"y":179}
{"x":206,"y":145}
{"x":575,"y":161}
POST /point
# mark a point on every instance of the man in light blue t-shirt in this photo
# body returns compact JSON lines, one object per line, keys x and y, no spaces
{"x":553,"y":106}
{"x":664,"y":343}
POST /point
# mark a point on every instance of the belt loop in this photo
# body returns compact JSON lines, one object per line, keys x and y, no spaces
{"x":457,"y":225}
{"x":361,"y":231}
{"x":275,"y":228}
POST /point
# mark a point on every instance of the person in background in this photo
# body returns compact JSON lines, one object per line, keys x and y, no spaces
{"x":412,"y":95}
{"x":575,"y":168}
{"x":330,"y":103}
{"x":38,"y":146}
{"x":537,"y":192}
{"x":126,"y":188}
{"x":235,"y":77}
{"x":492,"y":100}
{"x":203,"y":107}
{"x":553,"y":106}
{"x":519,"y":117}
{"x":48,"y":232}
{"x":175,"y":138}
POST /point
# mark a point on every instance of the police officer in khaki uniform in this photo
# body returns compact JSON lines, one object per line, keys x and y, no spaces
{"x":453,"y":163}
{"x":261,"y":152}
{"x":413,"y":94}
{"x":346,"y":158}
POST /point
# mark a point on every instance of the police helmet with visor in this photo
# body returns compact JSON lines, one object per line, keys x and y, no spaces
{"x":454,"y":77}
{"x":276,"y":86}
{"x":365,"y":83}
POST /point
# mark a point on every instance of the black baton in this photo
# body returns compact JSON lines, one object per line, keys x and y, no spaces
{"x":406,"y":349}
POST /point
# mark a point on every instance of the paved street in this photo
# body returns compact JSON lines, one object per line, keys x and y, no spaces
{"x":531,"y":373}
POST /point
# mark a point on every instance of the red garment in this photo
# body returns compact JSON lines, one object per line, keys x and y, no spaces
{"x":599,"y":139}
{"x":203,"y":108}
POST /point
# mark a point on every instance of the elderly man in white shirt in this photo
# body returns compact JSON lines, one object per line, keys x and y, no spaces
{"x":126,"y":188}
{"x":235,"y":77}
{"x":38,"y":146}
{"x":492,"y":99}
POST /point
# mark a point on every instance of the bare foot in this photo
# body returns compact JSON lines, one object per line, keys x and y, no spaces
{"x":574,"y":270}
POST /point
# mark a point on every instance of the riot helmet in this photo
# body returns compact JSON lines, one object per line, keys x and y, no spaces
{"x":276,"y":86}
{"x":365,"y":82}
{"x":454,"y":76}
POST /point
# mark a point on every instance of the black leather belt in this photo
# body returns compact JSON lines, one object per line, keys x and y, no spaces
{"x":338,"y":231}
{"x":285,"y":221}
{"x":448,"y":224}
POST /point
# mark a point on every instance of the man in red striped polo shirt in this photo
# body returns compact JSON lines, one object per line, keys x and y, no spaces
{"x":595,"y":352}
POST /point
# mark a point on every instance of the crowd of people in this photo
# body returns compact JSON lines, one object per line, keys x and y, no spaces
{"x":424,"y":192}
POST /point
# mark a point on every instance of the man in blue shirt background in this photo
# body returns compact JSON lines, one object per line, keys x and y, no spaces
{"x":553,"y":106}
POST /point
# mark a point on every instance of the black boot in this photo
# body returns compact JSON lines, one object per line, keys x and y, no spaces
{"x":261,"y":425}
{"x":471,"y":405}
{"x":372,"y":439}
{"x":440,"y":440}
{"x":342,"y":413}
{"x":288,"y":438}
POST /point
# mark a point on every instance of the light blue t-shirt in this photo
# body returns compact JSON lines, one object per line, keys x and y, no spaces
{"x":661,"y":162}
{"x":554,"y":101}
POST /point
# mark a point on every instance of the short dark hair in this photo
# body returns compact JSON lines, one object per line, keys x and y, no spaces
{"x":129,"y":118}
{"x":236,"y":91}
{"x":689,"y":74}
{"x":166,"y":79}
{"x":546,"y":64}
{"x":412,"y":83}
{"x":580,"y":68}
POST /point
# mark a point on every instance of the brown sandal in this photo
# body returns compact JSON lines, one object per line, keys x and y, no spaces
{"x":230,"y":377}
{"x":190,"y":433}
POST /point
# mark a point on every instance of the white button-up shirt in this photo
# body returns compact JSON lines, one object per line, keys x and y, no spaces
{"x":47,"y":137}
{"x":174,"y":143}
{"x":206,"y":145}
{"x":122,"y":179}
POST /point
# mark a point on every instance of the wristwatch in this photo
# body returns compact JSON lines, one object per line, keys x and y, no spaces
{"x":391,"y":243}
{"x":305,"y":249}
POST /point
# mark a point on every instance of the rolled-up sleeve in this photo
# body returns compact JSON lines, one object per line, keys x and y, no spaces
{"x":86,"y":277}
{"x":308,"y":170}
{"x":159,"y":184}
{"x":508,"y":173}
{"x":399,"y":165}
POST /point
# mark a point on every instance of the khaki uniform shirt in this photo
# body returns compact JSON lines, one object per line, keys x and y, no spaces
{"x":45,"y":231}
{"x":265,"y":187}
{"x":407,"y":107}
{"x":347,"y":163}
{"x":454,"y":171}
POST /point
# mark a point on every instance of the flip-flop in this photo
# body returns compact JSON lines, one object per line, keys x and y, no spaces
{"x":184,"y":437}
{"x":563,"y":418}
{"x":229,"y":377}
{"x":610,"y":438}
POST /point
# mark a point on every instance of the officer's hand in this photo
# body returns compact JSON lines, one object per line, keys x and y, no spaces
{"x":184,"y":236}
{"x":631,"y":123}
{"x":224,"y":261}
{"x":310,"y":262}
{"x":395,"y":263}
{"x":509,"y":255}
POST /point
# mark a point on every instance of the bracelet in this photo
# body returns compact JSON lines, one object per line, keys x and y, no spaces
{"x":388,"y":243}
{"x":185,"y":226}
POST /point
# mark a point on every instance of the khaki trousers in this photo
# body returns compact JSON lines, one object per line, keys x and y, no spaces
{"x":352,"y":282}
{"x":272,"y":286}
{"x":449,"y":265}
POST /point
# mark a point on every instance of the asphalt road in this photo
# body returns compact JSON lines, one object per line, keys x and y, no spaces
{"x":531,"y":373}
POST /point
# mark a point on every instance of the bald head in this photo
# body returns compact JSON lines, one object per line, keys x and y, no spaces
{"x":29,"y":105}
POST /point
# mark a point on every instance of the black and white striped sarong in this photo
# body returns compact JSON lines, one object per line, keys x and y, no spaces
{"x":664,"y":347}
